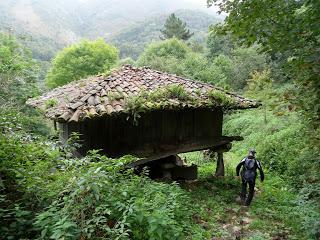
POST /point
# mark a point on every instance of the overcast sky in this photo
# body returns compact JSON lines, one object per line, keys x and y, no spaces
{"x":203,"y":3}
{"x":200,"y":4}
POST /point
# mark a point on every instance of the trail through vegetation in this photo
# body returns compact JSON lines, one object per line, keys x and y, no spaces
{"x":273,"y":213}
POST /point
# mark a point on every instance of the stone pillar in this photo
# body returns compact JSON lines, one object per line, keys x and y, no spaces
{"x":55,"y":125}
{"x":220,"y":165}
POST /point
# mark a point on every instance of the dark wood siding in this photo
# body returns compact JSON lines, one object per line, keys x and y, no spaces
{"x":155,"y":132}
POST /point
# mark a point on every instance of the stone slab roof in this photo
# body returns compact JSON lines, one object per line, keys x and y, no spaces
{"x":108,"y":95}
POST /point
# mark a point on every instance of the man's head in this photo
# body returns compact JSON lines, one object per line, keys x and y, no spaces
{"x":252,"y":153}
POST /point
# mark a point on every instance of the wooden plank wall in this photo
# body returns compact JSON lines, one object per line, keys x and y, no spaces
{"x":156,"y":131}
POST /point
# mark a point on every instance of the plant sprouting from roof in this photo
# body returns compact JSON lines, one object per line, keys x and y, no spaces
{"x":113,"y":96}
{"x":51,"y":103}
{"x":156,"y":99}
{"x":177,"y":91}
{"x":174,"y":95}
{"x":218,"y":98}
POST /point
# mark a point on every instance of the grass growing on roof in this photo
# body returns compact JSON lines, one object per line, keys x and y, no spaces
{"x":51,"y":103}
{"x":177,"y":91}
{"x":221,"y":99}
{"x":114,"y":96}
{"x":175,"y":95}
{"x":171,"y":95}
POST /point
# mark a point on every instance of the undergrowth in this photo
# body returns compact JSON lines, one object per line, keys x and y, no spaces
{"x":47,"y":193}
{"x":273,"y":214}
{"x":283,"y":145}
{"x":104,"y":201}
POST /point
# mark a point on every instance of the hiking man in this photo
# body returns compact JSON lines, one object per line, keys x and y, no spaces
{"x":248,"y":175}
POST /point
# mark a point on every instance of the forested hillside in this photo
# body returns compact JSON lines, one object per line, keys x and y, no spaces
{"x":266,"y":51}
{"x":132,"y":40}
{"x":47,"y":26}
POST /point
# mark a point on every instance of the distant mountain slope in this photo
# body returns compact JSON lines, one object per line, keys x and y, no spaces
{"x":132,"y":40}
{"x":66,"y":20}
{"x":61,"y":22}
{"x":111,"y":16}
{"x":45,"y":18}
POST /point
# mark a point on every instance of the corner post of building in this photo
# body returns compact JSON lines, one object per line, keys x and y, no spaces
{"x":220,"y":165}
{"x":220,"y":162}
{"x":55,"y":125}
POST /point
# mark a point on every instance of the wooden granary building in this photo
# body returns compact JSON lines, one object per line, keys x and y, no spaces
{"x":141,"y":112}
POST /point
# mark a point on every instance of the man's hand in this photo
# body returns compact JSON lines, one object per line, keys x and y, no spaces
{"x":237,"y":177}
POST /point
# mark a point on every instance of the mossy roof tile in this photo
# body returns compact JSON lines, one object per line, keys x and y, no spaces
{"x":76,"y":100}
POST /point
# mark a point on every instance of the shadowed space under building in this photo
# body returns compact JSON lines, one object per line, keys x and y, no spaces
{"x":142,"y":112}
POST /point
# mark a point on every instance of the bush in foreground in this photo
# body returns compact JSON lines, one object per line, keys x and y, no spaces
{"x":48,"y":194}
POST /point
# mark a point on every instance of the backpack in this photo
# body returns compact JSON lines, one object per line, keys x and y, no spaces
{"x":249,"y":173}
{"x":249,"y":164}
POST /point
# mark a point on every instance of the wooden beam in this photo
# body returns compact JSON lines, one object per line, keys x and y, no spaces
{"x":150,"y":153}
{"x":222,"y":148}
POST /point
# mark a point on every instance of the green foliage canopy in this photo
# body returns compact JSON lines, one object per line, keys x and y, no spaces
{"x":132,"y":40}
{"x":168,"y":48}
{"x":287,"y":27}
{"x":18,"y":71}
{"x":165,"y":56}
{"x":244,"y":62}
{"x":174,"y":56}
{"x":81,"y":60}
{"x":218,"y":44}
{"x":57,"y":196}
{"x":175,"y":28}
{"x":233,"y":70}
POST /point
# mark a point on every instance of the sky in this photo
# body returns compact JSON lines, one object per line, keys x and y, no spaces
{"x":201,"y":4}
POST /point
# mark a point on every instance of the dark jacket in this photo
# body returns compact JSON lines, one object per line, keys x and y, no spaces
{"x":250,"y":174}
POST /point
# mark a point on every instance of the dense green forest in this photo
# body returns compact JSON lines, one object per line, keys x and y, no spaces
{"x":132,"y":40}
{"x":263,"y":50}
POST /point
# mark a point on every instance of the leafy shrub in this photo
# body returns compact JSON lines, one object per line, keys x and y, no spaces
{"x":18,"y":182}
{"x":18,"y":72}
{"x":275,"y":140}
{"x":309,"y":207}
{"x":16,"y":221}
{"x":93,"y":197}
{"x":284,"y":147}
{"x":221,"y":99}
{"x":259,"y":81}
{"x":177,"y":91}
{"x":51,"y":103}
{"x":103,"y":202}
{"x":168,"y":64}
{"x":126,"y":61}
{"x":168,"y":48}
{"x":81,"y":60}
{"x":245,"y":61}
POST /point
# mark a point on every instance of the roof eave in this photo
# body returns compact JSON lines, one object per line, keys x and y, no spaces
{"x":114,"y":114}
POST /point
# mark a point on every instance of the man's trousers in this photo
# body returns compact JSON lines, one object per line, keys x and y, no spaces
{"x":247,"y":199}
